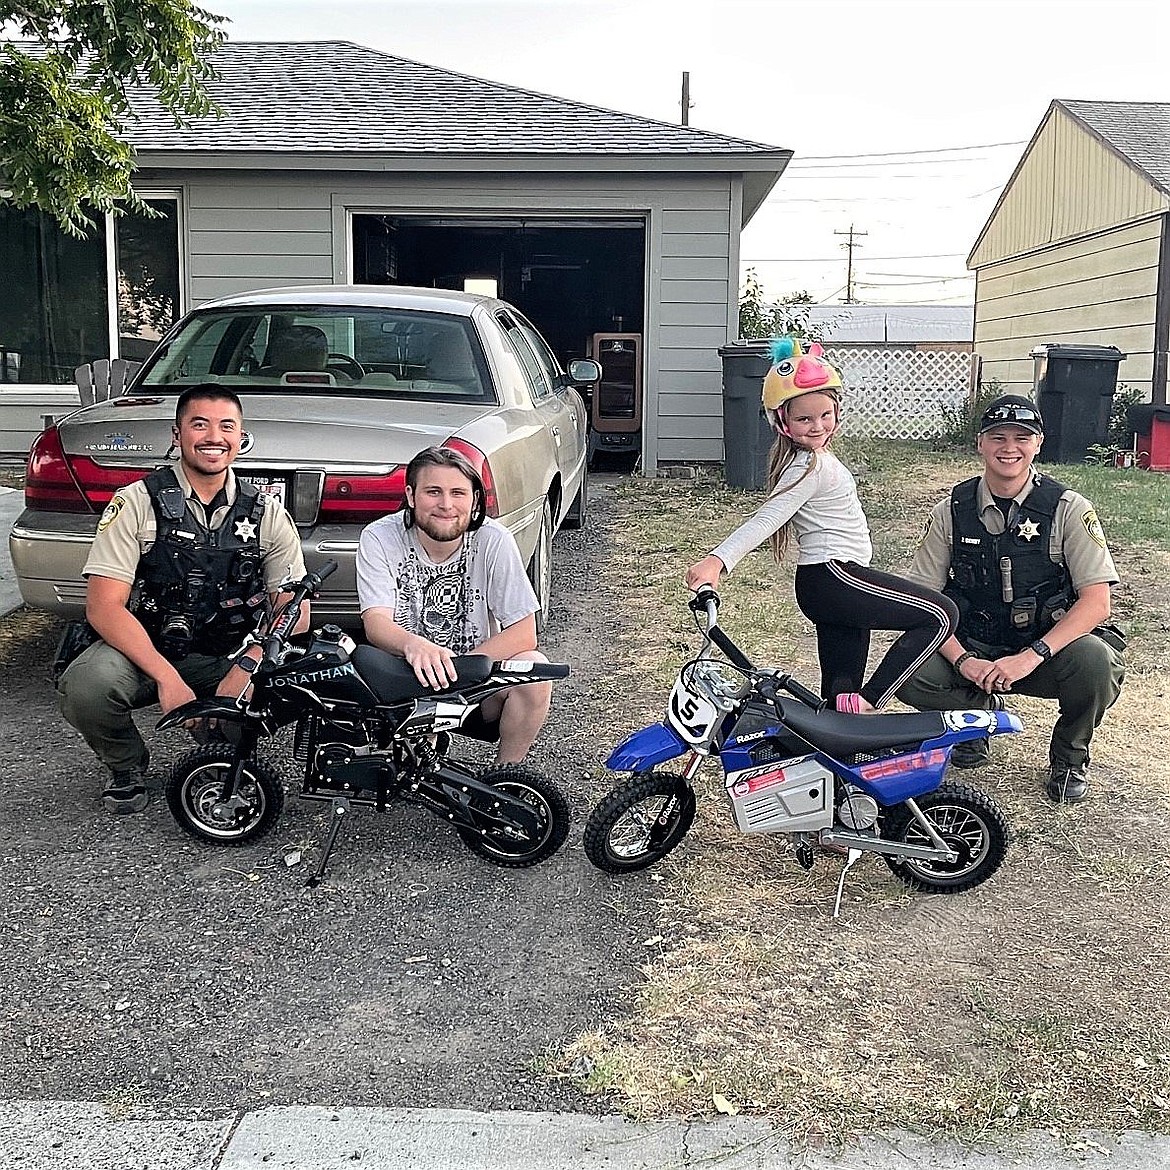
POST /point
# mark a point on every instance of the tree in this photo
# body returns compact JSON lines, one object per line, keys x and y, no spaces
{"x":64,"y":96}
{"x":787,"y":316}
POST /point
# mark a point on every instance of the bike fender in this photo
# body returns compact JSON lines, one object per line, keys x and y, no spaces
{"x":643,"y":749}
{"x":213,"y":708}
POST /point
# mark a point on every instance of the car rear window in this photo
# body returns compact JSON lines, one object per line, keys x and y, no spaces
{"x":380,"y":353}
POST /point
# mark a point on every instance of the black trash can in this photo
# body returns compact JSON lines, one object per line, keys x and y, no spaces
{"x":747,"y":437}
{"x":1074,"y":387}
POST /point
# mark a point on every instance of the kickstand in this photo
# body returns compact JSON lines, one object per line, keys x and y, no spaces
{"x":339,"y":811}
{"x":853,"y":858}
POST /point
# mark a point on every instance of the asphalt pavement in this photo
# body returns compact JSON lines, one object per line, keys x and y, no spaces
{"x":113,"y":1135}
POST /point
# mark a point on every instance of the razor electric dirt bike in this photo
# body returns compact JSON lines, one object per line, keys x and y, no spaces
{"x":368,"y":732}
{"x":853,"y":783}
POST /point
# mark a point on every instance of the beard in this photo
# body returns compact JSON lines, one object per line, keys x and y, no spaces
{"x":443,"y":531}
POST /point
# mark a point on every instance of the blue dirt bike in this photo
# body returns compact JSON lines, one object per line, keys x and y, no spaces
{"x":853,"y":784}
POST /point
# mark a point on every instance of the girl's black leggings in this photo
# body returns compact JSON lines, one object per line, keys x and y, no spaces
{"x":846,"y":601}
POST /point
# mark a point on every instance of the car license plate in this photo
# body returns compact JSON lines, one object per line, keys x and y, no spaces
{"x":269,"y":485}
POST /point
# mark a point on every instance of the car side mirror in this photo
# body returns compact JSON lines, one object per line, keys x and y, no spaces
{"x":583,"y":371}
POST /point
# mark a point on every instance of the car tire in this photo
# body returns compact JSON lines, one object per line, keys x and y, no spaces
{"x":540,"y":567}
{"x":578,"y":511}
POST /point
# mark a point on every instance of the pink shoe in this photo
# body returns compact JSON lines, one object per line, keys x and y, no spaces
{"x":850,"y":703}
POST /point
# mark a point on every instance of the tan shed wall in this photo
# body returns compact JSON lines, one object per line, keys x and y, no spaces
{"x":1099,"y":290}
{"x":1069,"y":185}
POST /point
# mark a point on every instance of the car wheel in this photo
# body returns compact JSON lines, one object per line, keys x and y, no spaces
{"x":540,"y":567}
{"x":579,"y":509}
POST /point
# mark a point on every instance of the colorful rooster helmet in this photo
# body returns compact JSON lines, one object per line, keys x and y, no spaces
{"x":795,"y":372}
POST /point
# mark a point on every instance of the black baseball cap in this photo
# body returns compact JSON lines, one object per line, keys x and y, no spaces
{"x":1012,"y":410}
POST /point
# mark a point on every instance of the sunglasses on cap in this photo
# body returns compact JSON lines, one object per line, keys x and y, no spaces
{"x":1012,"y":414}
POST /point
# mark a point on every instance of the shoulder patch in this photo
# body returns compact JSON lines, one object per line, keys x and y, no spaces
{"x":113,"y":508}
{"x":1093,"y":527}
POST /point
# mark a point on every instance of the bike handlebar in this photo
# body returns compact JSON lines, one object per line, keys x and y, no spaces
{"x":290,"y":612}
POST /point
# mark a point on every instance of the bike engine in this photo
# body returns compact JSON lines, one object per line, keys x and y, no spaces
{"x":342,"y":758}
{"x":857,"y":809}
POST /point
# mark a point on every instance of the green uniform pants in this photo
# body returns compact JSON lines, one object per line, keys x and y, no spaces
{"x":102,"y":687}
{"x":1084,"y":678}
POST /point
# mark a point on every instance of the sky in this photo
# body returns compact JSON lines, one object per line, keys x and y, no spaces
{"x":905,"y":117}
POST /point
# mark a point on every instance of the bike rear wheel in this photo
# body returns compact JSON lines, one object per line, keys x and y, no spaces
{"x":506,"y":842}
{"x":639,"y":822}
{"x":195,"y":796}
{"x":969,"y":821}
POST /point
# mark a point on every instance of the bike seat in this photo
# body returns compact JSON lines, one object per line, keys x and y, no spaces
{"x":841,"y":736}
{"x":393,"y":679}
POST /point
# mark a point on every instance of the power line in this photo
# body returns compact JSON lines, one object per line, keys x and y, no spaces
{"x":901,"y":153}
{"x":831,"y":259}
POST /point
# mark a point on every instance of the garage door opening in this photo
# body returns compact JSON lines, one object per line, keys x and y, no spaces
{"x":573,"y":278}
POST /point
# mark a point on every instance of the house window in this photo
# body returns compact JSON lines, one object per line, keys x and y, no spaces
{"x":55,"y":311}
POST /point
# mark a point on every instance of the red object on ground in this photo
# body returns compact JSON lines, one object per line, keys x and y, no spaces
{"x":1153,"y":445}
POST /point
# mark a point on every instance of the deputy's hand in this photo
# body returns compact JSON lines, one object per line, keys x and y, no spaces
{"x":174,"y":692}
{"x":704,"y":572}
{"x":1008,"y":670}
{"x":433,"y":665}
{"x":976,"y":670}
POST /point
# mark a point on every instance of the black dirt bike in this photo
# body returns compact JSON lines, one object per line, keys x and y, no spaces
{"x":368,"y":733}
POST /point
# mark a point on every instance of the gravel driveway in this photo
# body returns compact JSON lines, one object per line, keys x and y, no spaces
{"x":141,"y":968}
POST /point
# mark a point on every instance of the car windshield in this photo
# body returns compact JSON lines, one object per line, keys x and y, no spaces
{"x":381,"y":353}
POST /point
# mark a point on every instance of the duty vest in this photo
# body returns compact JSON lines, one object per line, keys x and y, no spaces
{"x":1008,"y":589}
{"x":200,"y":590}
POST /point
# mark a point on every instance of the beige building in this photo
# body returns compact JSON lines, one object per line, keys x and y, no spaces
{"x":1076,"y":251}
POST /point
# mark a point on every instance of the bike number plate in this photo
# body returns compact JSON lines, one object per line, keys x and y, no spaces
{"x":692,"y":716}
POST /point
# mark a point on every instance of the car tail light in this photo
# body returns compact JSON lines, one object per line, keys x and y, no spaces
{"x":479,"y":461}
{"x":49,"y":483}
{"x":358,"y":499}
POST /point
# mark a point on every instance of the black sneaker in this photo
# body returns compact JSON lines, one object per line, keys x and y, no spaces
{"x":1067,"y":785}
{"x":126,"y":793}
{"x":971,"y":753}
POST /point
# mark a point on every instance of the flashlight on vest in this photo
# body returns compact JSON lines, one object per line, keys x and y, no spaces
{"x":1005,"y":579}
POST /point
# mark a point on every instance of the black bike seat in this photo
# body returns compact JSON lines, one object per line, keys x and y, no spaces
{"x":841,"y":735}
{"x":393,"y":679}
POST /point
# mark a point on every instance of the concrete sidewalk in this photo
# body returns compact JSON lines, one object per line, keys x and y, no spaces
{"x":11,"y":506}
{"x":61,"y":1135}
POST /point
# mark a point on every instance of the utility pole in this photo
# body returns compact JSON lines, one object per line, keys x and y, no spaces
{"x":686,"y":99}
{"x":849,"y":246}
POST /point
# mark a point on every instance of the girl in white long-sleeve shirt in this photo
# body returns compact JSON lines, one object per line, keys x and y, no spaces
{"x":814,"y":497}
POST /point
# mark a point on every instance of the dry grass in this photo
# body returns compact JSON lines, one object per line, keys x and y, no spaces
{"x":1038,"y":1000}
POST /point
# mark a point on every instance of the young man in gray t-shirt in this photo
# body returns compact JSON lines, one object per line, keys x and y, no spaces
{"x":440,"y":579}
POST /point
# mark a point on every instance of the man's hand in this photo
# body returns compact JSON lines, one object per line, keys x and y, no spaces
{"x":1007,"y":671}
{"x":433,"y":666}
{"x":173,"y":692}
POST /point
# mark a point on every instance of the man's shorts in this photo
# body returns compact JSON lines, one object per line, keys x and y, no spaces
{"x":477,"y":727}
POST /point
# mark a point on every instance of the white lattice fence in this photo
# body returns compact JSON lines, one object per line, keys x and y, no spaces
{"x":901,"y":393}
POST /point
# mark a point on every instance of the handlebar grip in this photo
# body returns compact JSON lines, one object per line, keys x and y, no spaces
{"x":703,"y":595}
{"x":801,"y":692}
{"x":326,"y":570}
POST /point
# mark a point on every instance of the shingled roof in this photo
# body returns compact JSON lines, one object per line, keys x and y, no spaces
{"x":334,"y":96}
{"x":1138,"y":131}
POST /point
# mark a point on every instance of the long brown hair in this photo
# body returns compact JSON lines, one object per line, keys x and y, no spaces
{"x":781,"y":456}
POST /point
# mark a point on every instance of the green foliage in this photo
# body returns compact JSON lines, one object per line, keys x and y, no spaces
{"x":1124,"y":397}
{"x":788,"y":316}
{"x":961,"y":424}
{"x":63,"y":96}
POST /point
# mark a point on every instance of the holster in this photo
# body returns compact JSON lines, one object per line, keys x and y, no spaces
{"x":76,"y":637}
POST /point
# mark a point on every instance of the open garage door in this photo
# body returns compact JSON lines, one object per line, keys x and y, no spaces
{"x":572,"y":277}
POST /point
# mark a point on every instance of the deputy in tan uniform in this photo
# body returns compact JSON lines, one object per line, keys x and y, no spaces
{"x":179,"y":573}
{"x":1025,"y":560}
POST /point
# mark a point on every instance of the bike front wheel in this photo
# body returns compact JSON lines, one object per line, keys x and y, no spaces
{"x":195,"y":796}
{"x":639,"y":822}
{"x":971,"y":824}
{"x":505,"y":841}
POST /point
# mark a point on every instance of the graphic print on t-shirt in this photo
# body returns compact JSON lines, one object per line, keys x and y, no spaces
{"x":434,"y":600}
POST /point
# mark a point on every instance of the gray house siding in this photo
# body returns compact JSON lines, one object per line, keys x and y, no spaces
{"x":247,"y":230}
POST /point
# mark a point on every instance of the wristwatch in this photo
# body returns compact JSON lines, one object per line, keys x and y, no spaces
{"x":1042,"y":648}
{"x":246,"y":664}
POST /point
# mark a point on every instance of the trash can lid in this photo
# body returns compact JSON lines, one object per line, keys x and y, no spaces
{"x":743,"y":348}
{"x":1100,"y":353}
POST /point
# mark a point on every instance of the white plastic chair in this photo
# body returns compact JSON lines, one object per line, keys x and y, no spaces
{"x":104,"y":379}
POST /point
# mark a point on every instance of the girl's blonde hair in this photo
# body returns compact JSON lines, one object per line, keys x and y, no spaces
{"x":781,"y":457}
